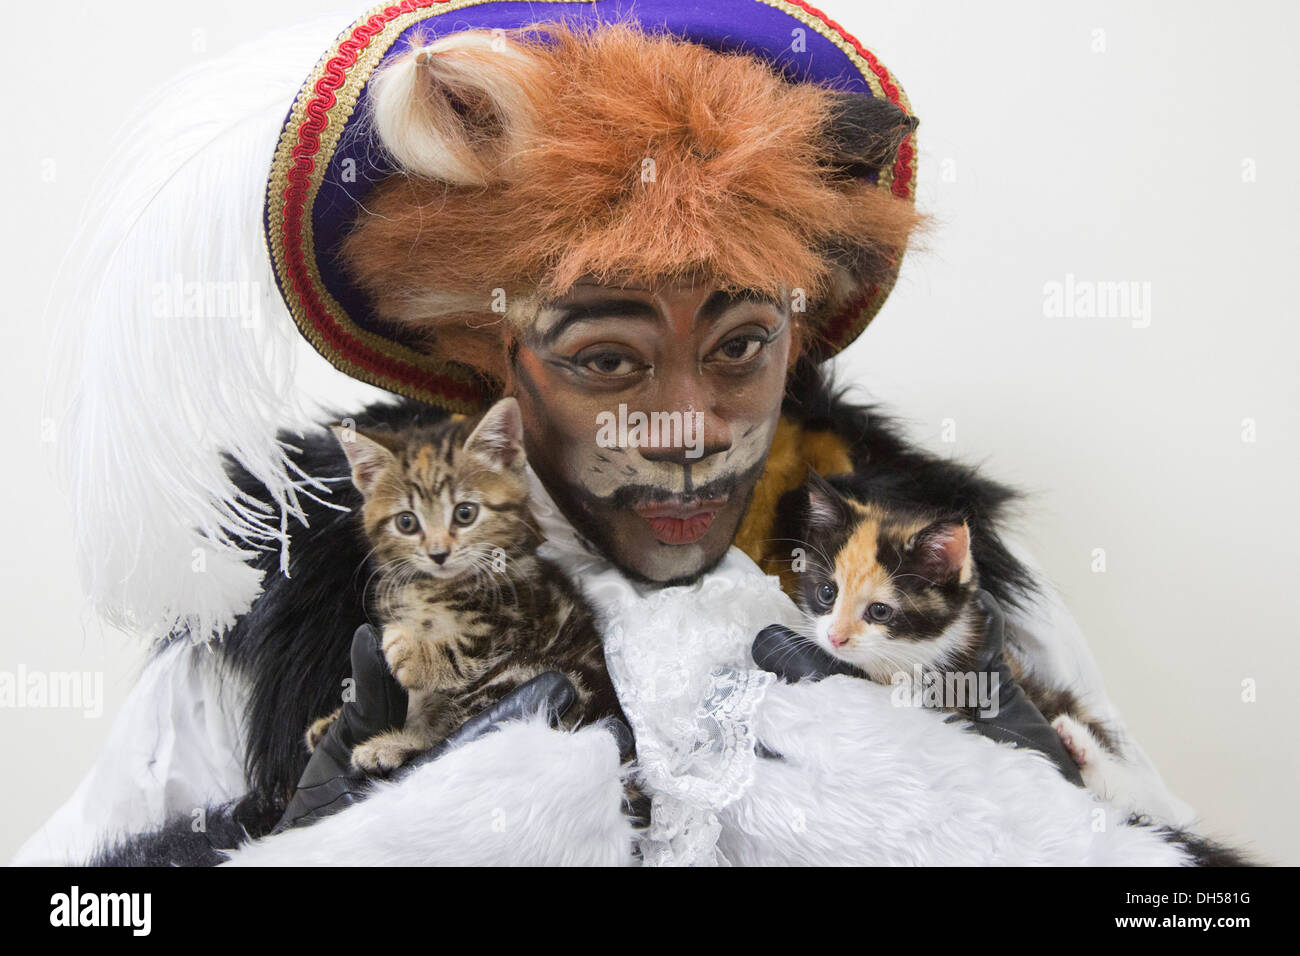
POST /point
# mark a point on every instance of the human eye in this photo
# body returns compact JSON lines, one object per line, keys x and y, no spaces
{"x":609,"y":362}
{"x":741,"y":348}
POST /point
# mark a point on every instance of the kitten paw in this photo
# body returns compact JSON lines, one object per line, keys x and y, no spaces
{"x":318,"y":729}
{"x":1078,"y":739}
{"x":381,"y":755}
{"x":407,"y":657}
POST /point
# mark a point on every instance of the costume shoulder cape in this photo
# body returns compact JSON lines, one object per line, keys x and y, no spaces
{"x":292,"y":647}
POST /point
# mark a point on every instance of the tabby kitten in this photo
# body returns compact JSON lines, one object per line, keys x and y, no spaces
{"x":469,"y":611}
{"x":891,"y":590}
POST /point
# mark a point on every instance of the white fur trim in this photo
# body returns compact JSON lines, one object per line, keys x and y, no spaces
{"x":525,"y":795}
{"x":175,"y":748}
{"x":864,"y":782}
{"x":1055,"y":649}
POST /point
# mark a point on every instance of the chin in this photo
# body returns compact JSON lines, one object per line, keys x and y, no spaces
{"x":834,"y":651}
{"x":444,"y":572}
{"x":878,"y":668}
{"x":669,"y":573}
{"x":852,"y":653}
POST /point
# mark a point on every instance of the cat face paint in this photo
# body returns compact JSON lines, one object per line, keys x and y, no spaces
{"x":665,"y":511}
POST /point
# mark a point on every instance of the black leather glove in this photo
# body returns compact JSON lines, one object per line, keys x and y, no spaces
{"x":1017,"y":721}
{"x":330,"y":783}
{"x":782,"y":652}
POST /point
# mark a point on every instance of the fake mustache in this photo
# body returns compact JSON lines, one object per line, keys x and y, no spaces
{"x":634,"y":495}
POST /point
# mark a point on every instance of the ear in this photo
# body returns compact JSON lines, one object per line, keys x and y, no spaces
{"x":499,"y":437}
{"x":451,"y":110}
{"x":941,"y":551}
{"x":825,"y":506}
{"x":368,"y":458}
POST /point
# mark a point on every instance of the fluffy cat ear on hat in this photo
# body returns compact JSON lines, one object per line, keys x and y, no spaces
{"x":452,"y":110}
{"x":862,"y":138}
{"x":498,"y":439}
{"x":865,"y":133}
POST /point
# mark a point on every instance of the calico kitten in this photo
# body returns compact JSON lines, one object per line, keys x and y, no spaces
{"x":891,"y":589}
{"x":469,"y":611}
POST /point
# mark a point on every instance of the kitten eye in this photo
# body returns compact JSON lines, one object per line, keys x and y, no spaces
{"x":407,"y":523}
{"x":465,"y":512}
{"x":826,"y":594}
{"x":880,"y":613}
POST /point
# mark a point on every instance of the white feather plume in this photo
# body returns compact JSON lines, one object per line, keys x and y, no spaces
{"x":173,"y":345}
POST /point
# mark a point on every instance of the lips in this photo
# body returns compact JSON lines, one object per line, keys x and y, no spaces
{"x":680,"y":522}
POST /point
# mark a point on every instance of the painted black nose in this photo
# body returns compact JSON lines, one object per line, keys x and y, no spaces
{"x":439,"y":557}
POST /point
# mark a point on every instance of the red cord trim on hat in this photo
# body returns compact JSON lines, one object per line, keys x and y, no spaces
{"x":841,"y":326}
{"x":295,"y":196}
{"x":903,"y":164}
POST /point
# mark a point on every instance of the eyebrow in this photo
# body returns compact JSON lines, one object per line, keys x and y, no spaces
{"x":600,"y":309}
{"x":720,"y":302}
{"x":714,"y":307}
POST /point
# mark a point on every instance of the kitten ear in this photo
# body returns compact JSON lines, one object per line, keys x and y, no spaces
{"x":941,"y":551}
{"x":499,"y":437}
{"x":825,"y":507}
{"x":367,"y":457}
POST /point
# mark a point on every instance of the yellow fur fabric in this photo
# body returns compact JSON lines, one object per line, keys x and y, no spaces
{"x":794,"y":451}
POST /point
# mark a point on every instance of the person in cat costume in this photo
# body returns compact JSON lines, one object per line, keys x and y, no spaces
{"x":686,"y":212}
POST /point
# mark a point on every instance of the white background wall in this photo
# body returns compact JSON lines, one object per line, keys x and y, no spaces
{"x":1167,"y":157}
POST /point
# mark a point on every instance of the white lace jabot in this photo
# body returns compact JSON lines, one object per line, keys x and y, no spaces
{"x":681,"y":663}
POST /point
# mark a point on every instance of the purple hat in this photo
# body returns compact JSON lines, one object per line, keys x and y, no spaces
{"x":328,"y":158}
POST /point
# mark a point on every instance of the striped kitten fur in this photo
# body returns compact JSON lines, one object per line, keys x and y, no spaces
{"x":469,"y":611}
{"x":890,"y":588}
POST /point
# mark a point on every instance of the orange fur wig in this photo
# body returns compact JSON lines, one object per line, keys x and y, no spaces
{"x":556,"y":154}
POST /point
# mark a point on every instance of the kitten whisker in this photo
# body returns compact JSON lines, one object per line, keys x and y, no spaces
{"x":807,"y":544}
{"x":911,"y":574}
